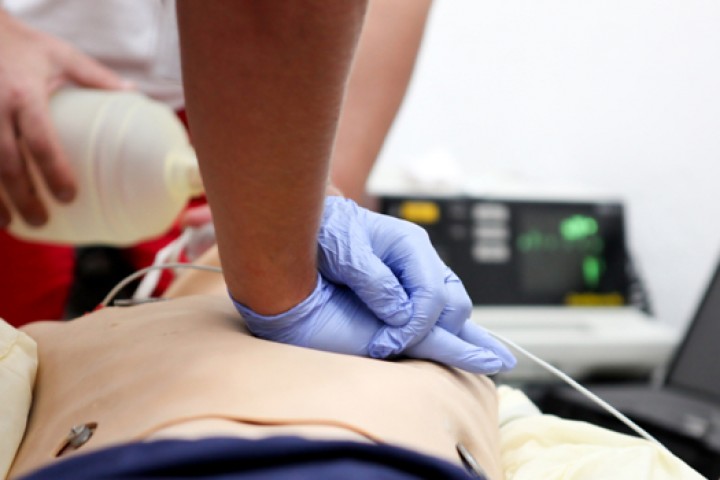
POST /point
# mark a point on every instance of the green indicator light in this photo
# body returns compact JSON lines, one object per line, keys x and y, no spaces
{"x":578,"y":227}
{"x":592,"y":268}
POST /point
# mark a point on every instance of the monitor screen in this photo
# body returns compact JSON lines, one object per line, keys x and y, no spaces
{"x":561,"y":251}
{"x":695,"y":363}
{"x":516,"y":252}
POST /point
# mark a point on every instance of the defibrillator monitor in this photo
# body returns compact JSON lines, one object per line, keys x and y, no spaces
{"x":520,"y":252}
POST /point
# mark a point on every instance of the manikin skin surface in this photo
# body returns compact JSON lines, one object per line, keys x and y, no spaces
{"x":188,"y":368}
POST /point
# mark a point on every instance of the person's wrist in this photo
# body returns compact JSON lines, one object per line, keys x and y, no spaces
{"x":262,"y":323}
{"x":274,"y":299}
{"x":273,"y":284}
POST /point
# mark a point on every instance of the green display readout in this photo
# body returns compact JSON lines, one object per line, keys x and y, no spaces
{"x":576,"y":235}
{"x":592,"y":267}
{"x":578,"y":227}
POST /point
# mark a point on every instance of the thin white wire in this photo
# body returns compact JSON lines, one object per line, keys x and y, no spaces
{"x":125,"y":281}
{"x":170,"y":253}
{"x":557,"y":372}
{"x":587,"y":393}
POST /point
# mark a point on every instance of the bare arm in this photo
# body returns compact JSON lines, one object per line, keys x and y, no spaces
{"x":379,"y":78}
{"x":264,"y":81}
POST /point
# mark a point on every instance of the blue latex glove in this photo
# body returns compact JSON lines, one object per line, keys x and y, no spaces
{"x":383,"y":288}
{"x":393,"y":268}
{"x":334,"y":319}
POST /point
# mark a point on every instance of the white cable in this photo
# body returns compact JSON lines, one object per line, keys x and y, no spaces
{"x":170,"y":253}
{"x":587,"y":393}
{"x":125,"y":281}
{"x":557,"y":372}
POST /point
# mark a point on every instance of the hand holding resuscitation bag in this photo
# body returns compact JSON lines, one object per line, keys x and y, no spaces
{"x":134,"y":167}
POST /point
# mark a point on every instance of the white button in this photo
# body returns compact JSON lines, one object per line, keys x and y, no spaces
{"x":491,"y":253}
{"x":490,"y":211}
{"x":493,"y":232}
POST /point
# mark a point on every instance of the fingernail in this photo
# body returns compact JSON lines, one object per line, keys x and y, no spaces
{"x":380,"y":351}
{"x":491,"y":367}
{"x":509,"y":363}
{"x":385,"y":343}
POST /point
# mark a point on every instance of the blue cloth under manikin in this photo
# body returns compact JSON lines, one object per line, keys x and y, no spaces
{"x":274,"y":458}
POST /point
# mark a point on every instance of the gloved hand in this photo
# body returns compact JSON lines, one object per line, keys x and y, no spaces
{"x":387,"y":289}
{"x":393,"y":268}
{"x":334,"y":319}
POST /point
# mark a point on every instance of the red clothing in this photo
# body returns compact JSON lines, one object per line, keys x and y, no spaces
{"x":36,"y":278}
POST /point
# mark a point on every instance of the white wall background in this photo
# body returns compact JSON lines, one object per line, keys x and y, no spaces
{"x":616,"y":94}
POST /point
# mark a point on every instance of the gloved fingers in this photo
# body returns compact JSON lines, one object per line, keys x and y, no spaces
{"x":427,"y":307}
{"x":430,"y":303}
{"x":378,"y":288}
{"x":458,"y":307}
{"x":346,"y":257}
{"x":474,"y":334}
{"x":422,"y":273}
{"x":442,"y":346}
{"x":347,"y":325}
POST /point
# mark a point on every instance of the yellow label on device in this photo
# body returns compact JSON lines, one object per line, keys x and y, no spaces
{"x":420,"y":212}
{"x":594,"y":300}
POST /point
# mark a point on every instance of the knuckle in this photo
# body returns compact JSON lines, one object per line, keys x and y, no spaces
{"x":421,"y":236}
{"x":459,"y":298}
{"x":417,"y":231}
{"x":411,"y":233}
{"x":15,"y":96}
{"x":463,"y":306}
{"x":433,"y":294}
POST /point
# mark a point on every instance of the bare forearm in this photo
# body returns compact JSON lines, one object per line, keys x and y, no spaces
{"x":264,"y":81}
{"x":379,"y":78}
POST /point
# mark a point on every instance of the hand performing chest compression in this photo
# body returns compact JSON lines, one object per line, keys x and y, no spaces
{"x":383,"y":291}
